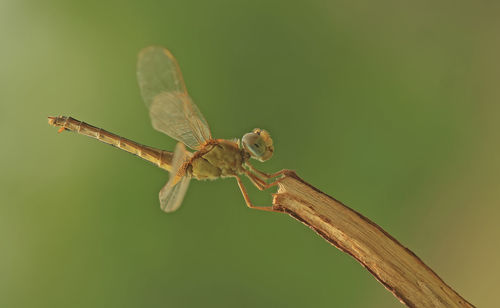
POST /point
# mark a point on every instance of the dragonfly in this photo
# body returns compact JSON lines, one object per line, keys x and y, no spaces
{"x":173,"y":112}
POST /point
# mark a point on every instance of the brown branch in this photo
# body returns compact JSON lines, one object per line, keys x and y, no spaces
{"x":392,"y":264}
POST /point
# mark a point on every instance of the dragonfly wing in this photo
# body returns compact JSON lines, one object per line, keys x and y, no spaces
{"x":173,"y":192}
{"x":175,"y":115}
{"x":171,"y":196}
{"x":157,"y":72}
{"x":171,"y":109}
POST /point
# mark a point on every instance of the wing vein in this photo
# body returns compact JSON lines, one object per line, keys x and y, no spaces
{"x":171,"y":109}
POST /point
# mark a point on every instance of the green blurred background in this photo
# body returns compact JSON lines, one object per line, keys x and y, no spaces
{"x":390,"y":106}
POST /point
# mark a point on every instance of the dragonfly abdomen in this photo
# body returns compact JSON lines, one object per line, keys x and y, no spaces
{"x":162,"y":159}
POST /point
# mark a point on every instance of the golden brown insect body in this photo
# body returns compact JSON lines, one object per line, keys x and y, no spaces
{"x":173,"y":112}
{"x":217,"y":158}
{"x":160,"y":158}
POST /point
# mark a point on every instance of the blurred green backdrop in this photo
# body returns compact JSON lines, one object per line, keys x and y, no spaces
{"x":390,"y":106}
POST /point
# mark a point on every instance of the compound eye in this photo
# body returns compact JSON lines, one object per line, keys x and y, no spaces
{"x":259,"y":144}
{"x":254,"y":144}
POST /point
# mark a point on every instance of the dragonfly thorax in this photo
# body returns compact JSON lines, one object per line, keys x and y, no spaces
{"x":219,"y":158}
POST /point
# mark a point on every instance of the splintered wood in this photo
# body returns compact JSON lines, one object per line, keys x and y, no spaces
{"x":392,"y":264}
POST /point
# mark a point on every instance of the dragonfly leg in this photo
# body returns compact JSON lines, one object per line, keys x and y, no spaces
{"x":258,"y":182}
{"x":264,"y":175}
{"x":261,"y":184}
{"x":247,"y":199}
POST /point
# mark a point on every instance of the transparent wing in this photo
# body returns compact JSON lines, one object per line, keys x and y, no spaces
{"x":171,"y":196}
{"x":158,"y":72}
{"x":171,"y":109}
{"x":175,"y":115}
{"x":173,"y":192}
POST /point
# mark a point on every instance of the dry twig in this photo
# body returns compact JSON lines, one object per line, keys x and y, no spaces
{"x":392,"y":264}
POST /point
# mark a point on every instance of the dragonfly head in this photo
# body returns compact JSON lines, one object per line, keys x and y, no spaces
{"x":258,"y":144}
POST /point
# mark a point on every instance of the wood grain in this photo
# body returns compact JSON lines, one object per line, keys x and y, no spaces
{"x":392,"y":264}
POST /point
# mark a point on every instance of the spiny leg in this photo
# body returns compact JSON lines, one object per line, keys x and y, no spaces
{"x":258,"y":182}
{"x":247,"y":199}
{"x":261,"y":183}
{"x":266,"y":176}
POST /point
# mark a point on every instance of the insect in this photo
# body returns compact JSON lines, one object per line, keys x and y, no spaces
{"x":173,"y":112}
